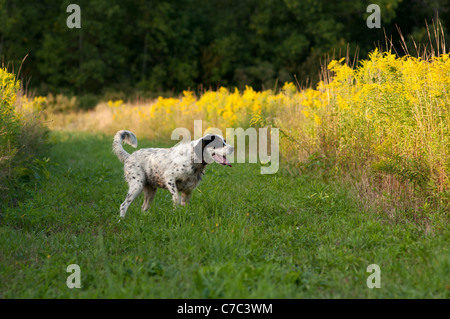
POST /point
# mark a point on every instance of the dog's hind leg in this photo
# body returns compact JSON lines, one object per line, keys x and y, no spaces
{"x":149,"y":194}
{"x":133,"y":192}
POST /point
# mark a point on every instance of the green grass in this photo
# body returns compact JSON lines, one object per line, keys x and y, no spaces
{"x":245,"y":235}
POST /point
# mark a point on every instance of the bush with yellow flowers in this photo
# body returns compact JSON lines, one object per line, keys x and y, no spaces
{"x":387,"y":117}
{"x":22,"y":136}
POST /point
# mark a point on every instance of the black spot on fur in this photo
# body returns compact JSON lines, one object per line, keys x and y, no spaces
{"x":208,"y":139}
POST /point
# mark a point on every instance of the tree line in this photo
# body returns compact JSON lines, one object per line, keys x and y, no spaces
{"x":168,"y":46}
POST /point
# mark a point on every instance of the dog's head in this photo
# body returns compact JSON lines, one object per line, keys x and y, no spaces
{"x":213,"y":148}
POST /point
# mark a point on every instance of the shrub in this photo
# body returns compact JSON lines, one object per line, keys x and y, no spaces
{"x":22,"y":139}
{"x":87,"y":102}
{"x":60,"y":103}
{"x":9,"y":122}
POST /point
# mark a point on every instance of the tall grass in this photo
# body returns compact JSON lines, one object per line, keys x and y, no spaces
{"x":385,"y":121}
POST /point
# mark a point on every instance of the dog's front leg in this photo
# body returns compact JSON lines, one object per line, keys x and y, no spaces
{"x":172,"y":187}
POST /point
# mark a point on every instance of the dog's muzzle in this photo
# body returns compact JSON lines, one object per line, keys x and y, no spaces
{"x":222,"y":159}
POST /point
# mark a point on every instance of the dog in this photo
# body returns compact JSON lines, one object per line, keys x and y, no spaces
{"x":177,"y":169}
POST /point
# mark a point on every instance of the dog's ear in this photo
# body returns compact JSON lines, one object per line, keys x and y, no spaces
{"x":208,"y":139}
{"x":199,"y":147}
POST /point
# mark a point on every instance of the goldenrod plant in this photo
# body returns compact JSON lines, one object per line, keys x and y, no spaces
{"x":22,"y":138}
{"x":387,"y":117}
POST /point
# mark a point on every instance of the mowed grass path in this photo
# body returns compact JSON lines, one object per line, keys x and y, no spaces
{"x":245,"y":235}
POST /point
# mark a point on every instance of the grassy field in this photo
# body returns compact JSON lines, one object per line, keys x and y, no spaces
{"x":245,"y":235}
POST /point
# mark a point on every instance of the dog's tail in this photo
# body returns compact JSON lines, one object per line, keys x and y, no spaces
{"x":123,"y":136}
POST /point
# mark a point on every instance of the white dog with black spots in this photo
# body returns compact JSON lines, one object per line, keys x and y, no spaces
{"x":177,"y":169}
